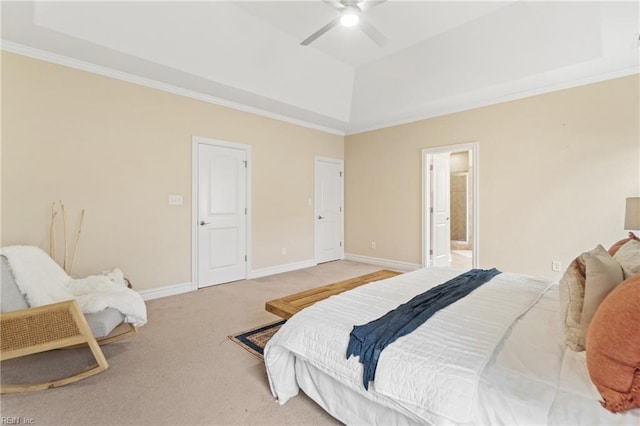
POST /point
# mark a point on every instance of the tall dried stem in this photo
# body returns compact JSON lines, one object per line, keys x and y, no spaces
{"x":64,"y":230}
{"x":75,"y":245}
{"x":52,"y":232}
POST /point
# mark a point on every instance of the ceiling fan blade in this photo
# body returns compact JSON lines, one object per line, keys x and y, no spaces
{"x":336,"y":4}
{"x":372,"y":32}
{"x":321,"y":31}
{"x":365,"y":5}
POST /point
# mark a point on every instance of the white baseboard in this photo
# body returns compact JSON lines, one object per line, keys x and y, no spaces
{"x":169,"y":290}
{"x":386,"y":263}
{"x":175,"y":289}
{"x":279,"y":269}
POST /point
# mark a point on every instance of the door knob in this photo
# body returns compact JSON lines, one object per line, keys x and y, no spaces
{"x":320,"y":217}
{"x":203,"y":223}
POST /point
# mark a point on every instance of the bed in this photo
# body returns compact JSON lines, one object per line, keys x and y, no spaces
{"x":497,"y":356}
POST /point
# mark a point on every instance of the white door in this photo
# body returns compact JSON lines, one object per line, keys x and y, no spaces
{"x":328,"y":210}
{"x":222,"y":214}
{"x":441,"y":225}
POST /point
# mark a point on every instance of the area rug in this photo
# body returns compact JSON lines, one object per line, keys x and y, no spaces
{"x":254,"y":340}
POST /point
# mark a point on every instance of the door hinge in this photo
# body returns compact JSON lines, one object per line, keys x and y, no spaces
{"x":430,"y":251}
{"x":340,"y":174}
{"x":245,"y":163}
{"x":431,"y":167}
{"x":245,"y":211}
{"x":340,"y":209}
{"x":340,"y":243}
{"x":245,"y":257}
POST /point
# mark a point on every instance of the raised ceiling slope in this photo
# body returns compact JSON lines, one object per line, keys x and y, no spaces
{"x":441,"y":56}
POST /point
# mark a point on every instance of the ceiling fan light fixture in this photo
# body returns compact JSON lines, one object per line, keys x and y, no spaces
{"x":350,"y":17}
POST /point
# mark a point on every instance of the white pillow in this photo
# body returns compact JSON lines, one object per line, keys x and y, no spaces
{"x":629,"y":258}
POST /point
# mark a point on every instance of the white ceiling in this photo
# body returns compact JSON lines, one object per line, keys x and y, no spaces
{"x":441,"y":57}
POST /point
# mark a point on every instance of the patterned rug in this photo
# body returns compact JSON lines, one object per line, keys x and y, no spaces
{"x":254,"y":340}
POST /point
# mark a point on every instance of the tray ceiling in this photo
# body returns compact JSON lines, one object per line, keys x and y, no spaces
{"x":441,"y":57}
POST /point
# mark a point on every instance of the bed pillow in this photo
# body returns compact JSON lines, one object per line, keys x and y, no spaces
{"x":613,"y":347}
{"x":628,"y":256}
{"x":571,"y":300}
{"x":603,"y":274}
{"x":586,"y":282}
{"x":615,"y":247}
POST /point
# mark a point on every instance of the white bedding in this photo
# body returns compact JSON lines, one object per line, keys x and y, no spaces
{"x":508,"y":368}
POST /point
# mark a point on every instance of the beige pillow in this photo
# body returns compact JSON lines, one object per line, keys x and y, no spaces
{"x":628,"y":256}
{"x":616,"y":246}
{"x":571,"y":301}
{"x":587,"y":281}
{"x":603,"y":275}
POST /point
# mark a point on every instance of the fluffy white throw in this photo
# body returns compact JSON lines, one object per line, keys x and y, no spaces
{"x":42,"y":281}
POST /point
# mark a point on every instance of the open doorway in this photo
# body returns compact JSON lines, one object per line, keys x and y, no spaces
{"x":450,"y":200}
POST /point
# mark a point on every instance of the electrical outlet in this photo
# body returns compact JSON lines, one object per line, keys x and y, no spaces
{"x":556,"y":266}
{"x":373,"y":245}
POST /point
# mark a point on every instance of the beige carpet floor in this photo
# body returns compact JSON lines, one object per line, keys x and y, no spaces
{"x":181,"y":369}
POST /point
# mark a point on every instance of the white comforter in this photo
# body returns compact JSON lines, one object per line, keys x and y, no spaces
{"x":475,"y":361}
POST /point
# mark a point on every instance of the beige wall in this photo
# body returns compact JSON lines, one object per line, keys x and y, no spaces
{"x":554,"y":171}
{"x":118,"y":150}
{"x":459,"y":162}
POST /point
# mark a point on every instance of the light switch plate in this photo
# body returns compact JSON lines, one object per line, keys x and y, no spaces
{"x":175,"y":200}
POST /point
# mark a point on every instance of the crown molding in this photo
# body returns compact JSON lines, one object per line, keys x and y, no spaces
{"x":55,"y":58}
{"x":482,"y":98}
{"x":492,"y":96}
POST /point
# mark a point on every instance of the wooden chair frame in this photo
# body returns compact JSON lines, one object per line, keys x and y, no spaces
{"x":122,"y":331}
{"x":116,"y":335}
{"x":44,"y":328}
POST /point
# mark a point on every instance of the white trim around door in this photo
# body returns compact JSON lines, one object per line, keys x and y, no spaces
{"x":427,"y":155}
{"x":196,"y":142}
{"x":328,"y":209}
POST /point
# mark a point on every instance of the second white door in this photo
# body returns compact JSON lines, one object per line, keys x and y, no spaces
{"x":222,"y":214}
{"x":328,"y":210}
{"x":441,"y":224}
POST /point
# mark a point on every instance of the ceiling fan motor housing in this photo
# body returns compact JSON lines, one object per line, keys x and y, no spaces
{"x":350,"y":16}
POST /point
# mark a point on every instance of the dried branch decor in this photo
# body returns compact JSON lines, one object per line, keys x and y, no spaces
{"x":67,"y":264}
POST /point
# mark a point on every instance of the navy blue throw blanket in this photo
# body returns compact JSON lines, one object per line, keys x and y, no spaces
{"x":367,"y":341}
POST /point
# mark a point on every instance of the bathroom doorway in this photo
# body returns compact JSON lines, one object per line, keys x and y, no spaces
{"x":450,"y":206}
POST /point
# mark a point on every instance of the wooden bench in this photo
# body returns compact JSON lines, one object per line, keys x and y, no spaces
{"x":286,"y":307}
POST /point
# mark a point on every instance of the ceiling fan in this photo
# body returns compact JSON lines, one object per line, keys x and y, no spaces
{"x":351,"y":14}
